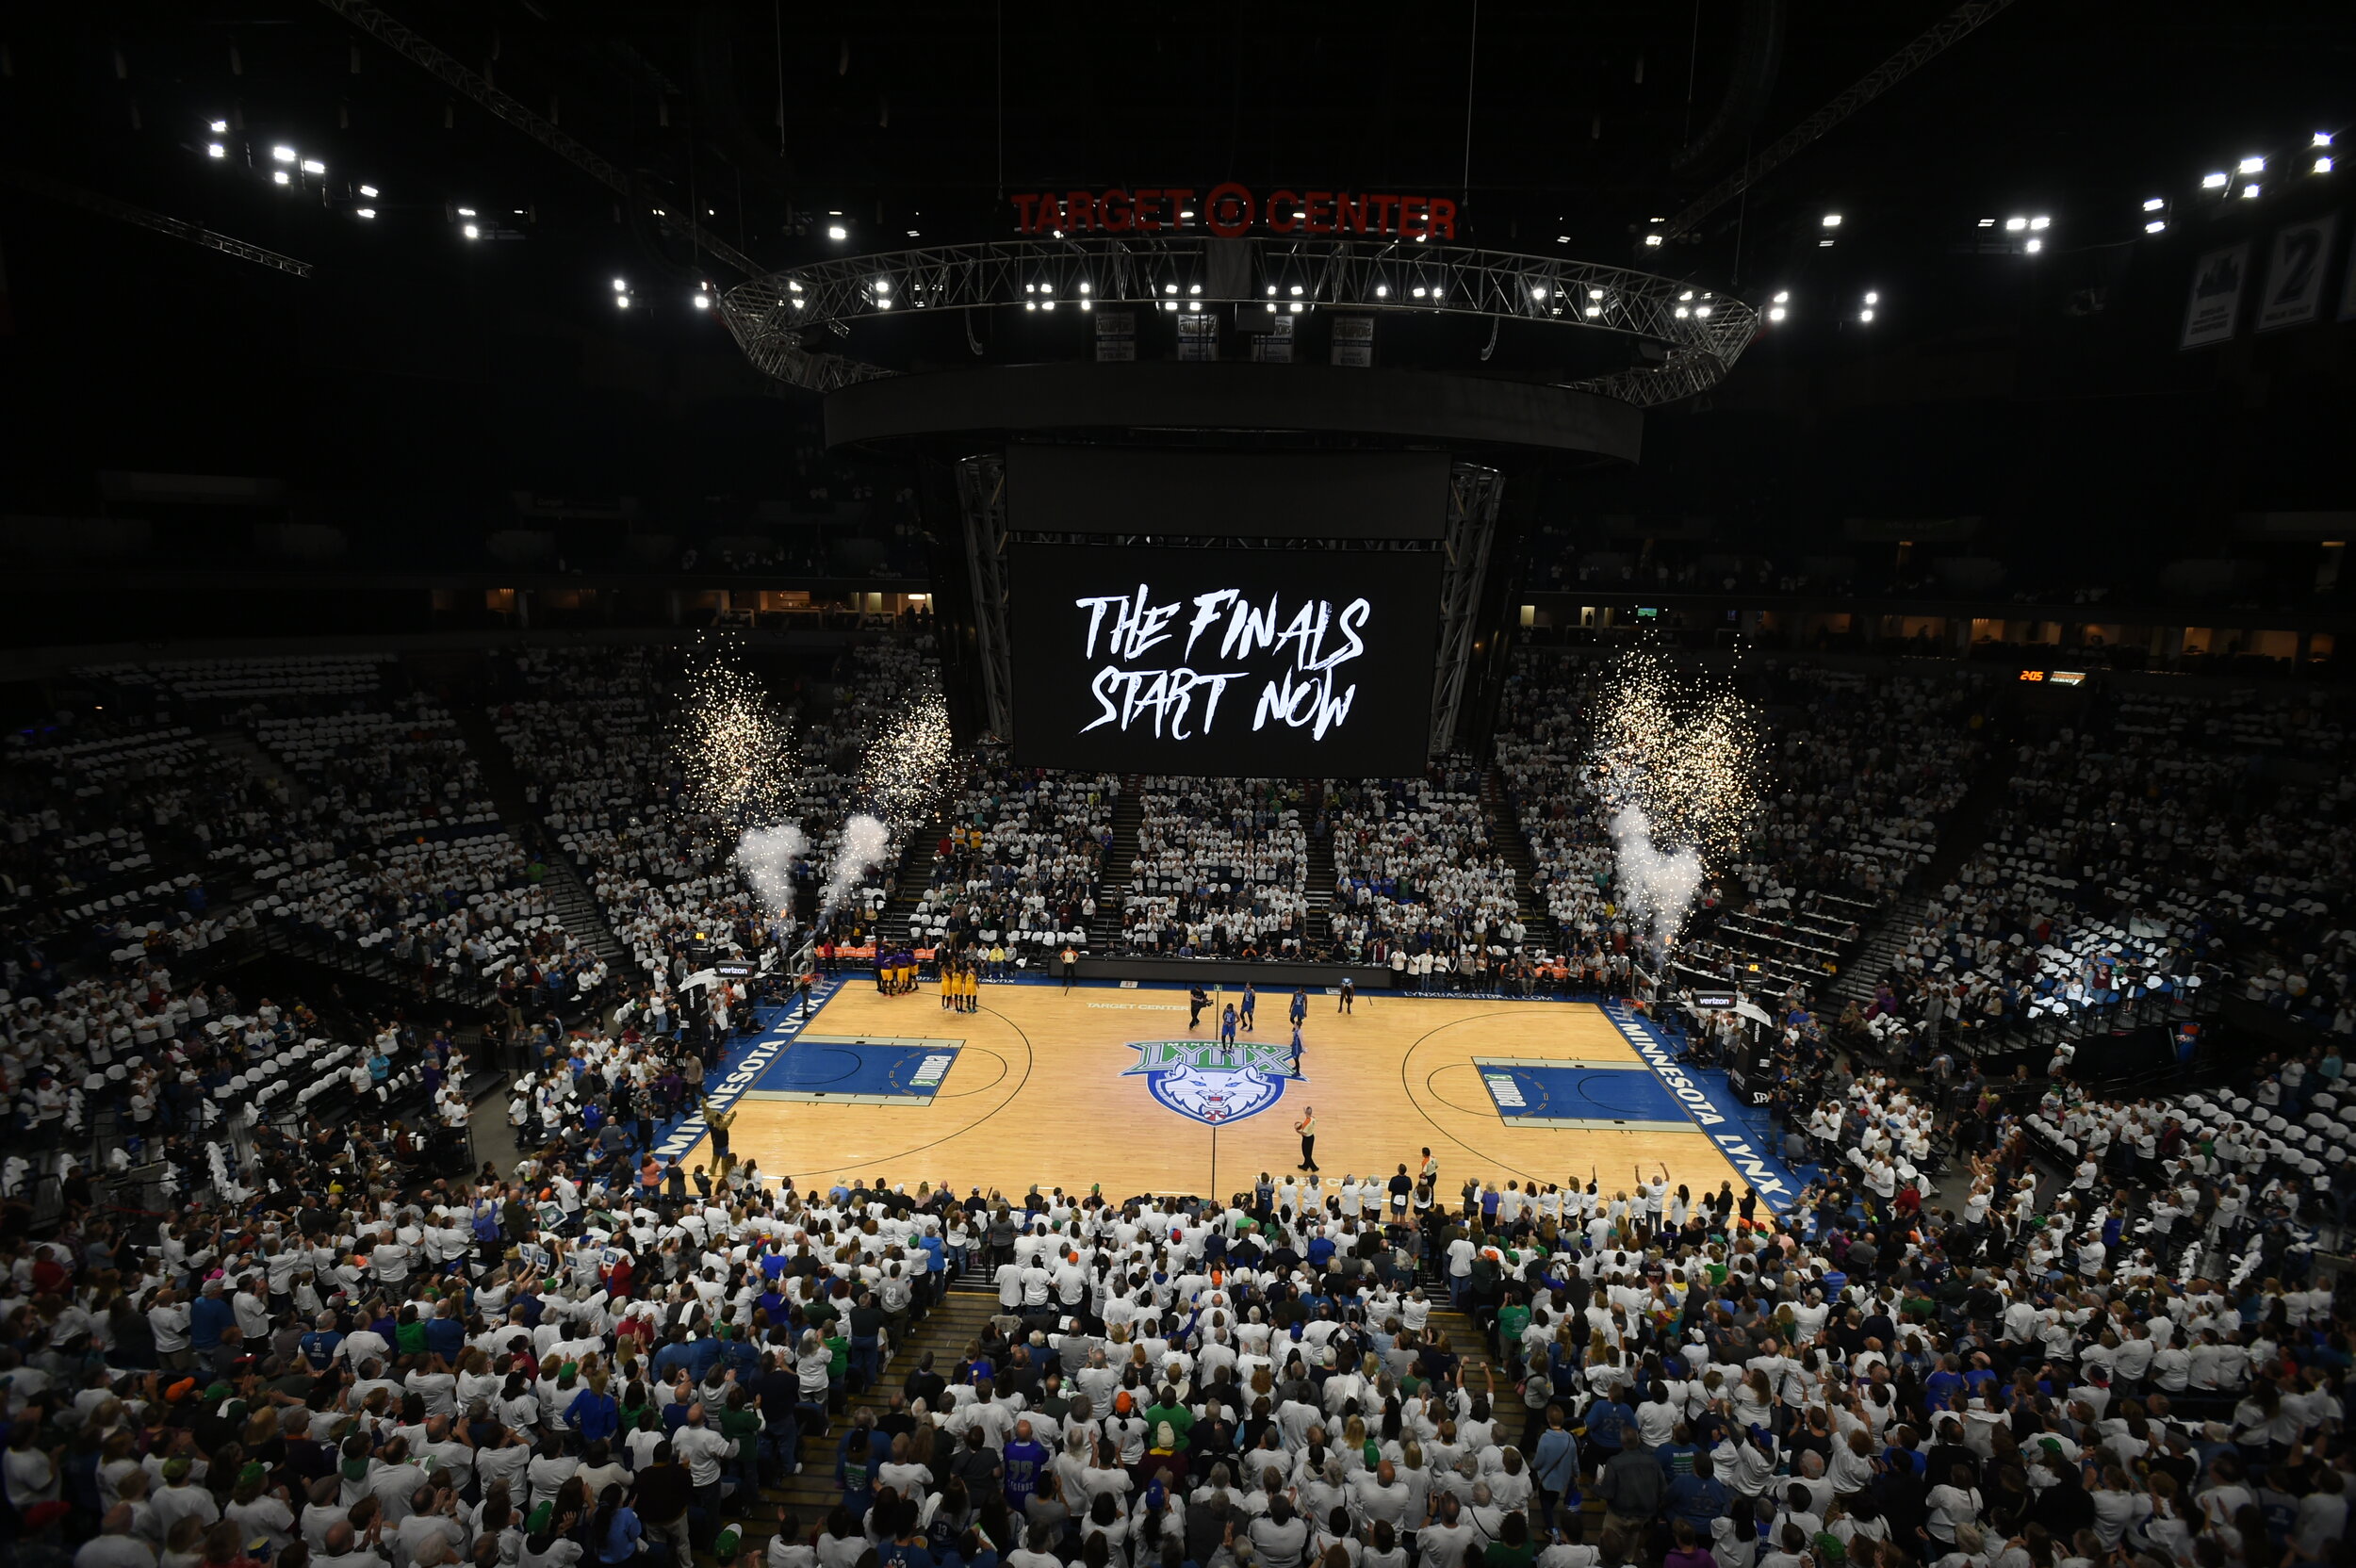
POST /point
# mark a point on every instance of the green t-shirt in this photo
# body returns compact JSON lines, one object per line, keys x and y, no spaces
{"x":740,"y":1425}
{"x":839,"y":1346}
{"x":1179,"y":1418}
{"x":1511,"y":1321}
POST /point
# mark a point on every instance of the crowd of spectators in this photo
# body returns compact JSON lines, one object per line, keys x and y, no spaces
{"x":2160,"y":843}
{"x":1414,"y":868}
{"x":1221,"y":869}
{"x":1019,"y":863}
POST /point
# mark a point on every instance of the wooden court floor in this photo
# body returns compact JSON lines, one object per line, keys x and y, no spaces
{"x":1041,"y":1092}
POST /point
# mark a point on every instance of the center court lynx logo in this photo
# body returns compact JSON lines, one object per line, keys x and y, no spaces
{"x":1212,"y":1083}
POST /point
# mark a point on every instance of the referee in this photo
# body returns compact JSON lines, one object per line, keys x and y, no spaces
{"x":1307,"y":1128}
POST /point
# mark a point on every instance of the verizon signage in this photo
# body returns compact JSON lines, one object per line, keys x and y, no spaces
{"x":1231,"y":210}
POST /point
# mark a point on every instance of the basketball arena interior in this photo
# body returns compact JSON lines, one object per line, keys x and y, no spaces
{"x":1489,"y":787}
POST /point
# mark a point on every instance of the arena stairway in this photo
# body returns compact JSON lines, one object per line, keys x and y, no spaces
{"x":240,"y":749}
{"x":1505,"y":832}
{"x":955,"y":1321}
{"x":912,"y":878}
{"x":1879,"y":950}
{"x":576,"y":907}
{"x":1120,"y":860}
{"x":1323,"y":876}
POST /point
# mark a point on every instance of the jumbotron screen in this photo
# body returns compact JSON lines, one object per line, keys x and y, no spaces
{"x":1258,"y":664}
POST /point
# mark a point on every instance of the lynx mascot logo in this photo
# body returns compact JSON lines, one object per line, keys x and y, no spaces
{"x":1210,"y":1083}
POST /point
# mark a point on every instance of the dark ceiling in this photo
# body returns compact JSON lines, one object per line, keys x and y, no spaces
{"x":414,"y":355}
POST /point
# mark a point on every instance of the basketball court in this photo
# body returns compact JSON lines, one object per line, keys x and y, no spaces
{"x":1107,"y":1084}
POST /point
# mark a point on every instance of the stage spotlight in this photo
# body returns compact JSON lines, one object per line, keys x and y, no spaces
{"x":1594,"y":310}
{"x":219,"y":126}
{"x":1872,"y":297}
{"x":473,"y":232}
{"x":2038,"y":224}
{"x":2252,"y":166}
{"x":1832,"y":220}
{"x":2034,"y":246}
{"x":1271,"y":290}
{"x":1701,"y":311}
{"x":621,"y":302}
{"x":912,"y":234}
{"x":1173,"y":289}
{"x":2156,"y":226}
{"x":1194,"y":304}
{"x":1594,"y":293}
{"x":2155,"y":203}
{"x":1562,"y":240}
{"x":1194,"y":288}
{"x":1086,"y":305}
{"x":1185,"y":214}
{"x":1987,"y":223}
{"x":1865,"y":315}
{"x":703,"y":301}
{"x":313,"y":165}
{"x":1538,"y":293}
{"x":1683,"y":312}
{"x":2014,"y":225}
{"x":2250,"y":189}
{"x":368,"y":212}
{"x":1418,"y":294}
{"x":465,"y":212}
{"x":1652,"y":239}
{"x":1687,"y":295}
{"x":620,"y":287}
{"x":2323,"y":165}
{"x":1382,"y":291}
{"x":1296,"y":307}
{"x":281,"y":177}
{"x":836,"y":231}
{"x":883,"y":286}
{"x":1783,"y":296}
{"x":215,"y":151}
{"x":1295,"y":291}
{"x":2323,"y":139}
{"x":284,"y":154}
{"x":2214,"y":181}
{"x":1775,"y":314}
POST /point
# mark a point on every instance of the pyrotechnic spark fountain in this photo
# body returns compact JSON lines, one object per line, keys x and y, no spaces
{"x":736,"y":750}
{"x":905,"y":770}
{"x":1674,"y":760}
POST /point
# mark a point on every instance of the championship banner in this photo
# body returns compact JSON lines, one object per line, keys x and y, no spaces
{"x":2215,"y":308}
{"x":2294,"y":291}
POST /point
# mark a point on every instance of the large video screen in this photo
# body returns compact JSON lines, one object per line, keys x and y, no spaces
{"x":1266,"y":663}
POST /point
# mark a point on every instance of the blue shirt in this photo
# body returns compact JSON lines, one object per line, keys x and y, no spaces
{"x":1556,"y":1462}
{"x":1698,"y":1498}
{"x":207,"y":1316}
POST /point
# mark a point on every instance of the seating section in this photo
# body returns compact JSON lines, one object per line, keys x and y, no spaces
{"x":1413,"y":866}
{"x":381,"y":773}
{"x":1222,"y":868}
{"x":241,"y":680}
{"x":2166,"y":841}
{"x":1022,"y":862}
